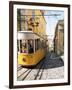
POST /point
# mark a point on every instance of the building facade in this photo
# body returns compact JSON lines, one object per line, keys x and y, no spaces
{"x":59,"y":38}
{"x":32,"y":20}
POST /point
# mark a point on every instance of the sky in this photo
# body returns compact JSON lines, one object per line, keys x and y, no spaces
{"x":52,"y":17}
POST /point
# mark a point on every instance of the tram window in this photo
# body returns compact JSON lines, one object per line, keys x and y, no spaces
{"x":24,"y":46}
{"x":43,"y":44}
{"x":30,"y":46}
{"x":21,"y":46}
{"x":37,"y":44}
{"x":40,"y":44}
{"x":17,"y":45}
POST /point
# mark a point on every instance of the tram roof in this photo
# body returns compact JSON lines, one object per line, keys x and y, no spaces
{"x":25,"y":31}
{"x":26,"y":35}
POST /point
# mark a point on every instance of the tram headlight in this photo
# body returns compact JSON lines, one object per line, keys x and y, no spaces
{"x":24,"y":60}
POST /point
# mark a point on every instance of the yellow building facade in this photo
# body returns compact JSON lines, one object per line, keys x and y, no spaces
{"x":31,"y":20}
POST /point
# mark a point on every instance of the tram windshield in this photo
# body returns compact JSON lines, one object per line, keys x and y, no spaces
{"x":26,"y":46}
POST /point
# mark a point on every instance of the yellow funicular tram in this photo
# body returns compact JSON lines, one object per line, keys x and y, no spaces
{"x":31,"y":48}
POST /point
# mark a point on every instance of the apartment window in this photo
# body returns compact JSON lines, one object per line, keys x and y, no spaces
{"x":33,"y":13}
{"x":18,"y":20}
{"x":22,"y":20}
{"x":61,"y":30}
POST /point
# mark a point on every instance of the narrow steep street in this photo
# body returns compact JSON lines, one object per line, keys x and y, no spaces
{"x":51,"y":67}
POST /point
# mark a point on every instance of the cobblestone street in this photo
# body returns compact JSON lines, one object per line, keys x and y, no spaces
{"x":52,"y":67}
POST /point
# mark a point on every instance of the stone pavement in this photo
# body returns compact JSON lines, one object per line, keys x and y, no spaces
{"x":52,"y":67}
